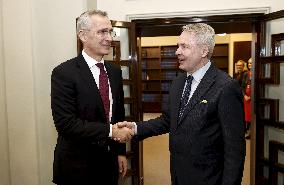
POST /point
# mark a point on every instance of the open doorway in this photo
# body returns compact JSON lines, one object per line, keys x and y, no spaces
{"x":171,"y":27}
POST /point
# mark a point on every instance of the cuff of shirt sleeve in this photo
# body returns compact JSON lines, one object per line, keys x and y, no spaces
{"x":135,"y":127}
{"x":110,"y":130}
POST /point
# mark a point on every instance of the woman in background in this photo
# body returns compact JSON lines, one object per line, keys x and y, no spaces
{"x":247,"y":98}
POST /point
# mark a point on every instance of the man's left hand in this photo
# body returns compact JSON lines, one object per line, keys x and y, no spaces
{"x":122,"y":163}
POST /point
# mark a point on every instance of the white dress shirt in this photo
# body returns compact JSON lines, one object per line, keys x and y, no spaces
{"x":96,"y":74}
{"x":197,"y":77}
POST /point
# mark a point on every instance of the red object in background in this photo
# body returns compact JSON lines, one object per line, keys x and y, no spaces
{"x":247,"y":103}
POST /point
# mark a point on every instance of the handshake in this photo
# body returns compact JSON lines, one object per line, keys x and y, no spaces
{"x":123,"y":131}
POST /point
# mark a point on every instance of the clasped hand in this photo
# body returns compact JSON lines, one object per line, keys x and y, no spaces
{"x":123,"y":131}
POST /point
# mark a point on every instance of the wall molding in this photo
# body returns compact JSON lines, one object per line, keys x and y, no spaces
{"x":205,"y":13}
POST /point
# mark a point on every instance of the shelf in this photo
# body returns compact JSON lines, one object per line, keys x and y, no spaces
{"x":160,"y":65}
{"x":151,"y":91}
{"x":176,"y":68}
{"x":221,"y":56}
{"x":150,"y":57}
{"x":151,"y":69}
{"x":170,"y":57}
{"x":165,"y":92}
{"x":274,"y":124}
{"x":221,"y":50}
{"x":157,"y":75}
{"x":271,"y":59}
{"x":151,"y":52}
{"x":268,"y":109}
{"x":276,"y":166}
{"x":143,"y":80}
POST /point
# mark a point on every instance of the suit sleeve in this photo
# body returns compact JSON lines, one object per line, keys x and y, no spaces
{"x":159,"y":125}
{"x":65,"y":113}
{"x":154,"y":127}
{"x":231,"y":116}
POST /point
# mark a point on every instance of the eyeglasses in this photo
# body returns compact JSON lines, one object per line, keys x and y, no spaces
{"x":184,"y":46}
{"x":105,"y":33}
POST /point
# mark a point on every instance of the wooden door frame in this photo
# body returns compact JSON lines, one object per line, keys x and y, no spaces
{"x":260,"y":93}
{"x":251,"y":18}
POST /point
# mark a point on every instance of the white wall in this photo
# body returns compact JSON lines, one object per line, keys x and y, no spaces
{"x":91,"y":4}
{"x":54,"y":41}
{"x":4,"y":152}
{"x":35,"y":36}
{"x":159,"y":6}
{"x":19,"y":92}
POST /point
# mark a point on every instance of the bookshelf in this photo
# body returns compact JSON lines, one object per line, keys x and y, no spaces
{"x":159,"y":67}
{"x":221,"y":56}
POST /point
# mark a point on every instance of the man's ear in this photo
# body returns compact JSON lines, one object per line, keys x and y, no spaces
{"x":205,"y":51}
{"x":82,"y":35}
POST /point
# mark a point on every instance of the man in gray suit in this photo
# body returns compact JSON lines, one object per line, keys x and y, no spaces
{"x":204,"y":118}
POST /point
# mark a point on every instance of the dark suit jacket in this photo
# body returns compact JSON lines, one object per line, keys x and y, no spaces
{"x":207,"y":144}
{"x":84,"y":153}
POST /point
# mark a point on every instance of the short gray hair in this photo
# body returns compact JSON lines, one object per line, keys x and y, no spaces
{"x":84,"y":21}
{"x":204,"y":35}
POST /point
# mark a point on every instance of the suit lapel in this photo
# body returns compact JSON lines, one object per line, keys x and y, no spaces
{"x":205,"y":84}
{"x":177,"y":92}
{"x":112,"y":83}
{"x":86,"y":73}
{"x":89,"y":80}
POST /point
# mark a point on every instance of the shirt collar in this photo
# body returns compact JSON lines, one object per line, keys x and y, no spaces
{"x":198,"y":75}
{"x":90,"y":61}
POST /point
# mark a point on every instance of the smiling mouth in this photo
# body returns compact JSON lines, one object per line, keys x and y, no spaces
{"x":108,"y":46}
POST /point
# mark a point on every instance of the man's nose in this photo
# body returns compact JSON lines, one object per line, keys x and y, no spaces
{"x":109,"y":37}
{"x":177,"y":51}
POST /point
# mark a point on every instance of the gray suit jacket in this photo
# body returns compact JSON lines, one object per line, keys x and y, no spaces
{"x":207,"y":144}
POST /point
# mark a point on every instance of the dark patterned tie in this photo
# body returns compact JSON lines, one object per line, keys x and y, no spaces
{"x":185,"y":96}
{"x":104,"y":88}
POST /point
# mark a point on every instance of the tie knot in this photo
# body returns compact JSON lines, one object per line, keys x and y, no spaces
{"x":189,"y":79}
{"x":100,"y":65}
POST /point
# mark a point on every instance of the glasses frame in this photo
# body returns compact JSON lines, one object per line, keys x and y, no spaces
{"x":183,"y":46}
{"x":106,"y":32}
{"x":103,"y":32}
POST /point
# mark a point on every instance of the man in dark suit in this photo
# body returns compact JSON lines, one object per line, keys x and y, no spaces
{"x":204,"y":117}
{"x":86,"y":99}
